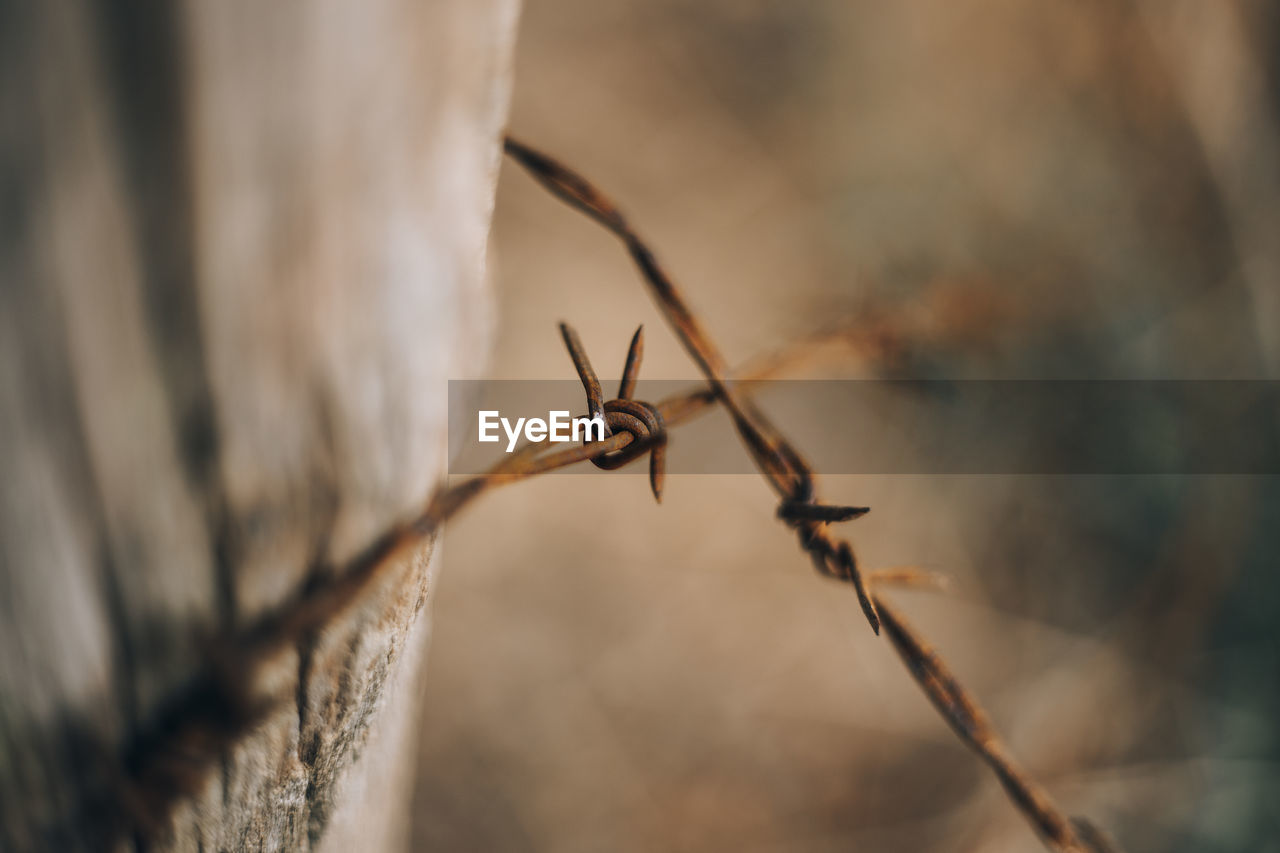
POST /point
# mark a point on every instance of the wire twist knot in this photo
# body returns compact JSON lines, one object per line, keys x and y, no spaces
{"x":641,"y":420}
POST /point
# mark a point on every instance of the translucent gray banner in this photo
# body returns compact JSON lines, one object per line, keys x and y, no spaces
{"x":926,"y":426}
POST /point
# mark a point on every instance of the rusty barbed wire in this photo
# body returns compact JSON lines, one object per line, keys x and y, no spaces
{"x":793,"y":479}
{"x":781,"y":464}
{"x":170,"y":759}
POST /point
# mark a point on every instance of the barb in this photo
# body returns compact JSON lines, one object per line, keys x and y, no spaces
{"x":641,"y":420}
{"x":631,"y":370}
{"x":590,"y":382}
{"x":792,"y":511}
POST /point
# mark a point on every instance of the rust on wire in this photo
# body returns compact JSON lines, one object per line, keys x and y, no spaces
{"x":590,"y":382}
{"x":971,"y":723}
{"x":793,"y":480}
{"x":641,"y":420}
{"x":631,"y":370}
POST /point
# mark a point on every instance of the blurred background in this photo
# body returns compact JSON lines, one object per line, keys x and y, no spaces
{"x":1022,"y":190}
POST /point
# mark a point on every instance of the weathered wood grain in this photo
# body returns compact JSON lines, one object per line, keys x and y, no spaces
{"x":241,"y":251}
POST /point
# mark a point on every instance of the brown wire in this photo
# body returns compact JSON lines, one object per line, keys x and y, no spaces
{"x":792,"y":478}
{"x":782,"y":465}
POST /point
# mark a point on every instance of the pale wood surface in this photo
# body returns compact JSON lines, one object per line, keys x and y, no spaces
{"x":242,"y":250}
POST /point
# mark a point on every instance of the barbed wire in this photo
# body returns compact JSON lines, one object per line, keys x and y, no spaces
{"x":169,"y":761}
{"x":793,"y":479}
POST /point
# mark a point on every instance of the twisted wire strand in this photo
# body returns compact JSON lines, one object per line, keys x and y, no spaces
{"x":793,"y":480}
